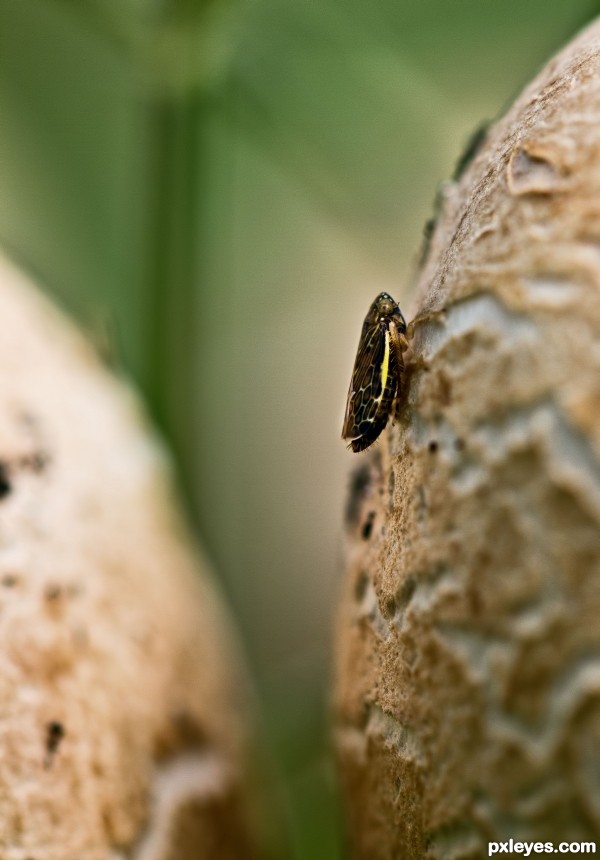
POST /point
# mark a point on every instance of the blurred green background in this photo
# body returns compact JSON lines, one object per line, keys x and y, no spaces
{"x":218,"y":189}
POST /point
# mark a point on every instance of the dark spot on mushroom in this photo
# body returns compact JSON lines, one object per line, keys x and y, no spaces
{"x":53,"y":592}
{"x":363,"y":715}
{"x":107,"y":821}
{"x":5,"y":484}
{"x":428,"y":231}
{"x":432,"y":447}
{"x":360,"y":486}
{"x":473,"y":145}
{"x":407,"y":590}
{"x":388,"y":610}
{"x":17,"y":824}
{"x":360,"y":588}
{"x":97,"y":768}
{"x":475,"y":600}
{"x":368,"y":526}
{"x":36,"y":462}
{"x":431,"y":224}
{"x":55,"y":732}
{"x":421,"y":505}
{"x":189,"y":732}
{"x":444,"y":389}
{"x":183,"y":732}
{"x":9,"y":580}
{"x":459,"y":444}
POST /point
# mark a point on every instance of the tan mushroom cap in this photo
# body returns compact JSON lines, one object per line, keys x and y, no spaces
{"x":124,"y":709}
{"x":468,"y":650}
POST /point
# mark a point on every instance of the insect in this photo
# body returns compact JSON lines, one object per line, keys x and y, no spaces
{"x":377,"y":376}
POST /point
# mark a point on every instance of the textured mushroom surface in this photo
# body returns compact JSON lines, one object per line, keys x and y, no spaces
{"x":123,"y":709}
{"x":468,"y":652}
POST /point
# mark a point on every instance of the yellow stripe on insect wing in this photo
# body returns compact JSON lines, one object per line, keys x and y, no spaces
{"x":385,"y":364}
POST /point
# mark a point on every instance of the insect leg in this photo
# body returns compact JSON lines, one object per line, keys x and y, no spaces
{"x":399,"y":344}
{"x":421,"y":318}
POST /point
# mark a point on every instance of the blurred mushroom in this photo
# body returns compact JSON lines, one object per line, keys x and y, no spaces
{"x":125,"y":710}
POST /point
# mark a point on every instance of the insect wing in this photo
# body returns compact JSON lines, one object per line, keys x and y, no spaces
{"x":373,"y":386}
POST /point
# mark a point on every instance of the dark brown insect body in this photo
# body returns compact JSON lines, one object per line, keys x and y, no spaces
{"x":377,"y":375}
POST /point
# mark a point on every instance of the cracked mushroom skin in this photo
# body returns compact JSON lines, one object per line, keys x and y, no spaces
{"x":125,"y":714}
{"x":467,"y":701}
